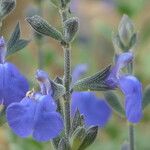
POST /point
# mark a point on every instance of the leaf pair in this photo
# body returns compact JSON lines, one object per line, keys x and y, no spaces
{"x":15,"y":43}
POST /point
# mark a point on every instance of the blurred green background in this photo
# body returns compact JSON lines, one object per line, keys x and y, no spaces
{"x":93,"y":45}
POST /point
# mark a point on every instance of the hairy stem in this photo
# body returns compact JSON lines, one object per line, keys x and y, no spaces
{"x":67,"y":82}
{"x":67,"y":75}
{"x":131,"y":137}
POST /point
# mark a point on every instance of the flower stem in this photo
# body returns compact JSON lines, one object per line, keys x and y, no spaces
{"x":67,"y":82}
{"x":67,"y":76}
{"x":131,"y":137}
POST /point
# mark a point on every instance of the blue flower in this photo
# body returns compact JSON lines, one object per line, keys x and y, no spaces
{"x":95,"y":110}
{"x":129,"y":85}
{"x":35,"y":115}
{"x":13,"y":85}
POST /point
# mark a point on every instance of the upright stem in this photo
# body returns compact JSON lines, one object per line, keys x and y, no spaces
{"x":131,"y":136}
{"x":67,"y":75}
{"x":67,"y":82}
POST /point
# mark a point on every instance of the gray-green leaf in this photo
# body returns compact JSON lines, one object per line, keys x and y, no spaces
{"x":15,"y":44}
{"x":146,"y":97}
{"x":96,"y":82}
{"x":113,"y":101}
{"x":42,"y":26}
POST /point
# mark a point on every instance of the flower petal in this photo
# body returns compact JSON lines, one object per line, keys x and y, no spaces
{"x":132,"y":89}
{"x":20,"y":117}
{"x":121,"y":61}
{"x":95,"y":111}
{"x":15,"y":84}
{"x":78,"y":71}
{"x":48,"y":123}
{"x":47,"y":103}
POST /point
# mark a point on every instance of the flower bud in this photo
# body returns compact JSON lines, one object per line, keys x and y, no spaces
{"x":41,"y":26}
{"x":6,"y":7}
{"x":126,"y":30}
{"x":71,"y":27}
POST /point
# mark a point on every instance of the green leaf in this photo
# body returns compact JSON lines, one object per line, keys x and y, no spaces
{"x":6,"y":7}
{"x":146,"y":97}
{"x":113,"y":101}
{"x":90,"y":137}
{"x":42,"y":26}
{"x":14,"y":37}
{"x":71,"y":27}
{"x":2,"y":116}
{"x":77,"y":138}
{"x":77,"y":121}
{"x":19,"y":45}
{"x":64,"y":145}
{"x":95,"y":82}
{"x":15,"y":44}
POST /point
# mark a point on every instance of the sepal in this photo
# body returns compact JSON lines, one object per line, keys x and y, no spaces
{"x":78,"y":121}
{"x":89,"y":138}
{"x":42,"y":27}
{"x":64,"y":145}
{"x":77,"y":138}
{"x":96,"y":82}
{"x":58,"y":90}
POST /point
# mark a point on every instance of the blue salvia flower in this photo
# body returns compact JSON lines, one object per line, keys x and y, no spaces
{"x":95,"y":110}
{"x":129,"y":85}
{"x":13,"y":85}
{"x":36,"y":114}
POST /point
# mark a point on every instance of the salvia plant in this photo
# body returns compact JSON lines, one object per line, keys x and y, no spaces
{"x":65,"y":110}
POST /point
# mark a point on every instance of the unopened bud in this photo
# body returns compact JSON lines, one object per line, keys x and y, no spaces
{"x":126,"y":30}
{"x":71,"y":27}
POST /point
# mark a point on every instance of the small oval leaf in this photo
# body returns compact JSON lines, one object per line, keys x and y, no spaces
{"x":113,"y":101}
